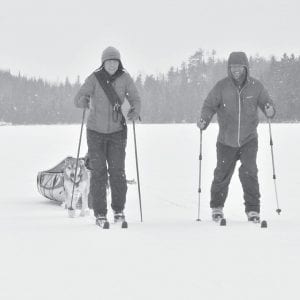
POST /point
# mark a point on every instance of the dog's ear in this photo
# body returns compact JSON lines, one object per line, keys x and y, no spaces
{"x":81,"y":162}
{"x":67,"y":160}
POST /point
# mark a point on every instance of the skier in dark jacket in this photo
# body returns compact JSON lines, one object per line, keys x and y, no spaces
{"x":235,"y":99}
{"x":103,"y":93}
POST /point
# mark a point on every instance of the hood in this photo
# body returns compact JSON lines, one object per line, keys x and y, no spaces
{"x":238,"y":58}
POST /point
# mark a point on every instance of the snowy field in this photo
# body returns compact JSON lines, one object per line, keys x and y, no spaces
{"x":46,"y":255}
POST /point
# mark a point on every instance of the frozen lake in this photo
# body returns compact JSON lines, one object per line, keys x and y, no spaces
{"x":46,"y":255}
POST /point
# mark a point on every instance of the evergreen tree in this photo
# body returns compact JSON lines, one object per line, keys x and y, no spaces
{"x":173,"y":97}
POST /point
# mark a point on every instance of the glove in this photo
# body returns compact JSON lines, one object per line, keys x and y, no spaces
{"x":202,"y":124}
{"x":270,"y":111}
{"x":85,"y":101}
{"x":132,"y":115}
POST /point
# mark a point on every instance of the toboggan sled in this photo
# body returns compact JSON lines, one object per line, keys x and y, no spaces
{"x":50,"y":183}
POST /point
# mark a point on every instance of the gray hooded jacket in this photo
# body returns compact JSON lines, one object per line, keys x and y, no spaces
{"x":100,"y":117}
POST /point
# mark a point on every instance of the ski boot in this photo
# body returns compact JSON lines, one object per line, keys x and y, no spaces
{"x":217,"y":214}
{"x":102,"y":222}
{"x":253,"y":216}
{"x":119,"y":217}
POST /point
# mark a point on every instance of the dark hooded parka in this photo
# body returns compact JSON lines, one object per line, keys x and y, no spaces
{"x":236,"y":106}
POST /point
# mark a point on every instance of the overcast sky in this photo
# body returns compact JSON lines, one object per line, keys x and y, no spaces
{"x":58,"y":38}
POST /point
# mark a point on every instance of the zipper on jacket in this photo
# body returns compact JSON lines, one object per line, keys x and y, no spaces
{"x":239,"y":122}
{"x":239,"y":125}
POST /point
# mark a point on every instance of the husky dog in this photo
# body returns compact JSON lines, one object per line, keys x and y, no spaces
{"x":80,"y":184}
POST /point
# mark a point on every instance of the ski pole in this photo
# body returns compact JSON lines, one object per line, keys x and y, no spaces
{"x":137,"y":170}
{"x":77,"y":158}
{"x":278,"y":210}
{"x":199,"y":186}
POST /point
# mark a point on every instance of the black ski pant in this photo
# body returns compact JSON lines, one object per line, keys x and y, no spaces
{"x":226,"y":161}
{"x":106,"y":154}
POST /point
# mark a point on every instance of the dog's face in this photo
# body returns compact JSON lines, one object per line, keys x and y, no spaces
{"x":70,"y":169}
{"x":76,"y":187}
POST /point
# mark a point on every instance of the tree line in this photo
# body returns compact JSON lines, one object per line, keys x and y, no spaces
{"x":174,"y":97}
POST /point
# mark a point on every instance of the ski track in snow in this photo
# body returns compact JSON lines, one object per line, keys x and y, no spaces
{"x":46,"y":255}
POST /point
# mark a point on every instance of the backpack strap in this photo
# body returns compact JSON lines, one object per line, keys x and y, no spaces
{"x":105,"y":82}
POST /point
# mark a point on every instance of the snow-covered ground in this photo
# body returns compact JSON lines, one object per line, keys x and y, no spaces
{"x":46,"y":255}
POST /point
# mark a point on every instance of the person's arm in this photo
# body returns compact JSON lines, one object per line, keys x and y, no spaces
{"x":134,"y":100}
{"x":266,"y":104}
{"x":85,"y":92}
{"x":210,"y":107}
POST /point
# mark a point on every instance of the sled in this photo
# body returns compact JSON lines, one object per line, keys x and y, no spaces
{"x":50,"y":183}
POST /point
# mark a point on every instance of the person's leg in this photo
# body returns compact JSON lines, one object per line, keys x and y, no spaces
{"x":226,"y":161}
{"x":116,"y":169}
{"x":248,"y":175}
{"x":97,"y":149}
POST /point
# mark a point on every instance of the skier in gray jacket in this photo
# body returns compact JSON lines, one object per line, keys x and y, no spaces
{"x":103,"y":93}
{"x":236,"y":99}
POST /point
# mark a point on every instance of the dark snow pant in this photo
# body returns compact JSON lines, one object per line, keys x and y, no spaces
{"x":226,"y":161}
{"x":107,"y":156}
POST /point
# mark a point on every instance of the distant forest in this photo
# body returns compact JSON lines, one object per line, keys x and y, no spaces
{"x":175,"y":97}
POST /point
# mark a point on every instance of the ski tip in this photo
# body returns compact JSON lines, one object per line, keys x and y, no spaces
{"x":223,"y":222}
{"x":264,"y":224}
